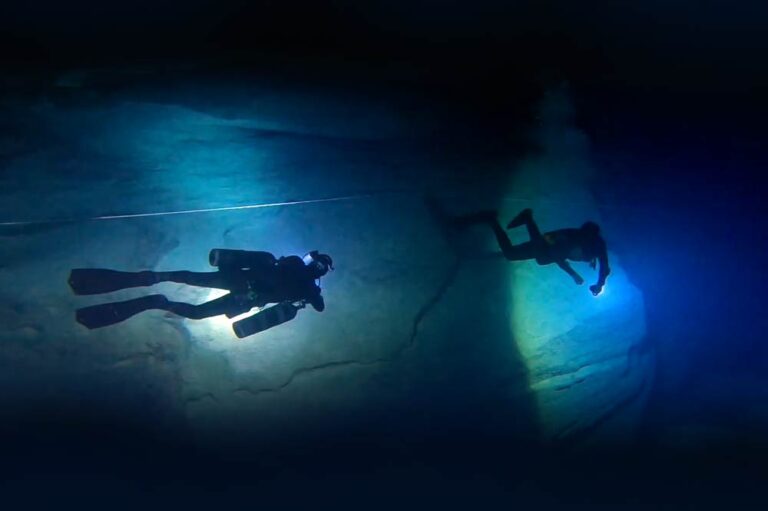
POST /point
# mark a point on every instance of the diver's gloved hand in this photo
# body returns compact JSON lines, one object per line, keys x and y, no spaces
{"x":578,"y":280}
{"x":596,"y":289}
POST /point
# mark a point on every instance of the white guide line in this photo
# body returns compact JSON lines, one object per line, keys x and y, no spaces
{"x":275,"y":205}
{"x":189,"y":211}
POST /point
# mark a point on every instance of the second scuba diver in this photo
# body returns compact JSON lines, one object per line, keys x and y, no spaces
{"x":582,"y":244}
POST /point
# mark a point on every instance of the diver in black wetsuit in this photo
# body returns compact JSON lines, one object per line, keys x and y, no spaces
{"x":583,"y":244}
{"x":253,"y":279}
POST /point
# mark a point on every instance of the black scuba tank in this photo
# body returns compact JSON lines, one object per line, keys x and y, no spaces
{"x":224,"y":258}
{"x":265,"y":319}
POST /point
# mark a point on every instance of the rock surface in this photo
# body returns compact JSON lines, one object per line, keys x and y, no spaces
{"x":415,"y":341}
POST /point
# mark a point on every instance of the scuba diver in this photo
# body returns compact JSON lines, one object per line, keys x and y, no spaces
{"x":583,"y":244}
{"x":253,"y":279}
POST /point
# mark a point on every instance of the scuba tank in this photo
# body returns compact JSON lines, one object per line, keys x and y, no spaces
{"x":267,"y":318}
{"x":224,"y":258}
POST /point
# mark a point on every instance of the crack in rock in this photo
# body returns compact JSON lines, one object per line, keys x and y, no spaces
{"x":569,"y":385}
{"x":634,"y":351}
{"x":543,"y":376}
{"x":574,"y":435}
{"x":453,"y":271}
{"x":306,"y":370}
{"x":200,"y":397}
{"x":133,"y":357}
{"x":406,"y":346}
{"x":155,"y":351}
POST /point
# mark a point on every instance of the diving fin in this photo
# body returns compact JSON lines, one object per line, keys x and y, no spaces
{"x":105,"y":314}
{"x":92,"y":281}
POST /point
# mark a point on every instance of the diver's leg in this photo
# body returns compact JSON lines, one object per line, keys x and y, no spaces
{"x":88,"y":281}
{"x":228,"y":304}
{"x":523,"y":251}
{"x":105,"y":314}
{"x":512,"y":252}
{"x":213,"y":279}
{"x":525,"y":217}
{"x":540,"y":248}
{"x":533,"y":230}
{"x":97,"y":316}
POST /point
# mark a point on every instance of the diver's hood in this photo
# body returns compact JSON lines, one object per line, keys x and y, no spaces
{"x":322,"y":262}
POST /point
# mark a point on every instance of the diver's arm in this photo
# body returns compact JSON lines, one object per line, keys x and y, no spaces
{"x":605,"y":270}
{"x":317,"y":302}
{"x":567,"y":268}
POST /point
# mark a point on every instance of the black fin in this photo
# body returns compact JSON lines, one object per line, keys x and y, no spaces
{"x":105,"y":314}
{"x":91,"y":281}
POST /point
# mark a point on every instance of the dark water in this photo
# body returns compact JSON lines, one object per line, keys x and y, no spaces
{"x":224,"y":106}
